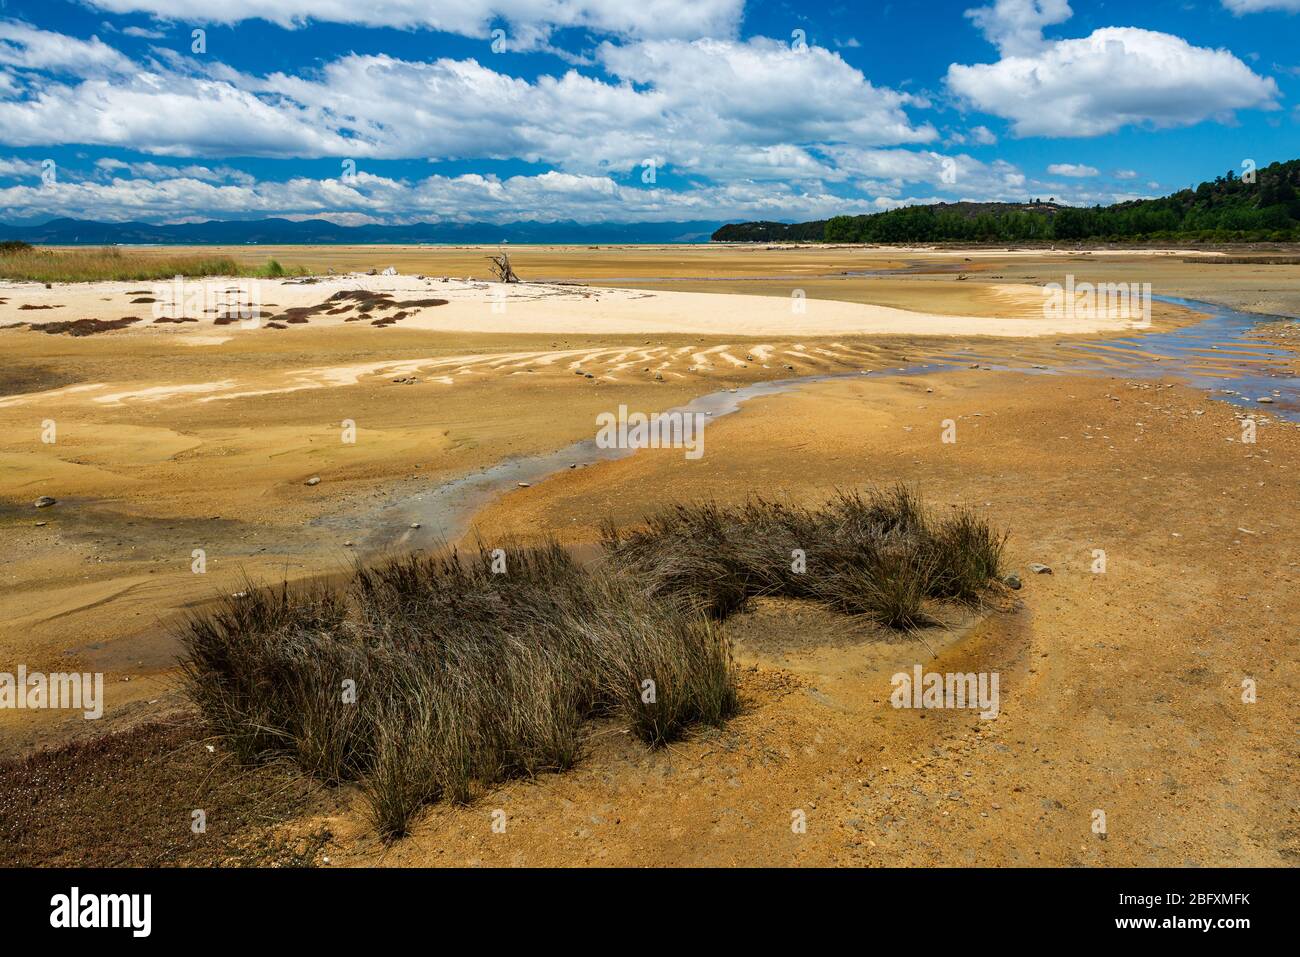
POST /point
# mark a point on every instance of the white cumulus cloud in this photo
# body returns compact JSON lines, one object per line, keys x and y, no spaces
{"x":1071,"y":169}
{"x":15,"y":168}
{"x":528,"y":22}
{"x":1015,"y":27}
{"x":1240,"y":7}
{"x":469,"y":197}
{"x":29,"y":48}
{"x":1117,"y":77}
{"x":691,"y":105}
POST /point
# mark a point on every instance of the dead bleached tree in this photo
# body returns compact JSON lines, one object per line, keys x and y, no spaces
{"x":502,"y":269}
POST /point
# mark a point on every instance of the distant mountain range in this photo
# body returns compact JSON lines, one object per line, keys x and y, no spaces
{"x":322,"y":231}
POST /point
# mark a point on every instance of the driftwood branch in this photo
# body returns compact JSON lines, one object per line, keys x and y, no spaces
{"x":502,"y":269}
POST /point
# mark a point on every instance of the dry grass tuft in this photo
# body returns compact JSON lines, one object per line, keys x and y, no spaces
{"x":112,"y":263}
{"x":428,"y":678}
{"x":881,"y":554}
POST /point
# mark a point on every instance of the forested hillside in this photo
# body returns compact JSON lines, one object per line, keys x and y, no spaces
{"x":769,"y":232}
{"x":1228,"y":209}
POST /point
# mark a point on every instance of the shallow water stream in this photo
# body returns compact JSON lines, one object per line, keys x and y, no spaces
{"x":1215,"y":354}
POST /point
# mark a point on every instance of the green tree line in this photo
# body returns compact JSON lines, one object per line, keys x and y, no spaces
{"x":1259,"y":207}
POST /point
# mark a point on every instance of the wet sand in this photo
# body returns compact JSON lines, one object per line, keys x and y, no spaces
{"x":1121,"y":691}
{"x":172,"y":438}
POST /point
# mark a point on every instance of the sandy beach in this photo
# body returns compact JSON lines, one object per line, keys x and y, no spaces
{"x":203,"y":435}
{"x":464,"y":444}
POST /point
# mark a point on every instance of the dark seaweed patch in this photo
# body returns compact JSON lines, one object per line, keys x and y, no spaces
{"x":83,"y":327}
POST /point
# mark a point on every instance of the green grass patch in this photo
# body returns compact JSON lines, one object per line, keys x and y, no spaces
{"x":18,"y":261}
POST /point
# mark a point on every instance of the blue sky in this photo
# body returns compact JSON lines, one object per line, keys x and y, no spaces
{"x":625,"y":110}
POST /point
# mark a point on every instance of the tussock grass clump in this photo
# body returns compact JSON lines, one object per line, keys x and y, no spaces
{"x":691,"y":554}
{"x":967,"y":555}
{"x":881,"y":554}
{"x":34,"y":264}
{"x":428,"y":677}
